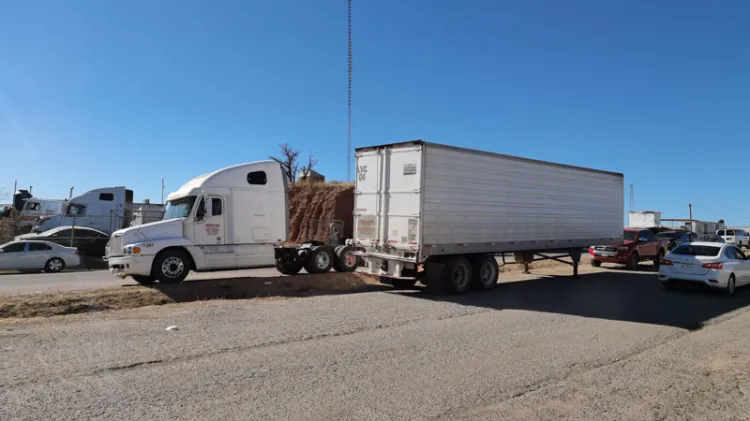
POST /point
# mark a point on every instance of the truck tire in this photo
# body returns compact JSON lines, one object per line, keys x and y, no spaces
{"x":632,"y":261}
{"x":344,"y":259}
{"x":596,"y":263}
{"x":289,"y":266}
{"x":319,"y":259}
{"x":144,"y":280}
{"x":485,"y":272}
{"x":171,"y":267}
{"x":458,"y":275}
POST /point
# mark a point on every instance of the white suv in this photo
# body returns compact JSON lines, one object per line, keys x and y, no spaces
{"x":737,"y":237}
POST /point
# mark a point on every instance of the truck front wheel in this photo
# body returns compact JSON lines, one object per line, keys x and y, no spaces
{"x":632,"y":261}
{"x":171,"y":267}
{"x":319,"y":259}
{"x":596,"y":263}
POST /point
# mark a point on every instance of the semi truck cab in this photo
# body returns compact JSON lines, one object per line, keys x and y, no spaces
{"x":229,"y":219}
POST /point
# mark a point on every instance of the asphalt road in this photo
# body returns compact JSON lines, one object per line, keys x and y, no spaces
{"x":611,"y":345}
{"x":29,"y":283}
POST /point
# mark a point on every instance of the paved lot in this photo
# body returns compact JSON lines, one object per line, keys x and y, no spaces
{"x":29,"y":283}
{"x":608,"y":346}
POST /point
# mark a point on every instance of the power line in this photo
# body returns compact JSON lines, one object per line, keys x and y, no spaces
{"x":349,"y":126}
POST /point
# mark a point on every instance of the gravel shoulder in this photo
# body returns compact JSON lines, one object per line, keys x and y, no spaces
{"x":611,"y":345}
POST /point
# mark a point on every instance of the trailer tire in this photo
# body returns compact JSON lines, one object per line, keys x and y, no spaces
{"x":144,"y":280}
{"x":485,"y":272}
{"x":319,"y":259}
{"x":287,"y":267}
{"x":344,"y":259}
{"x":458,"y":275}
{"x":171,"y":266}
{"x":596,"y":263}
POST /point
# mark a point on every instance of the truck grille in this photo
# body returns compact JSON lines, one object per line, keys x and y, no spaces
{"x":605,"y":248}
{"x":114,"y":248}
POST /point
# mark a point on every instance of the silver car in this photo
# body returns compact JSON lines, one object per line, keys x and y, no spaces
{"x":37,"y":255}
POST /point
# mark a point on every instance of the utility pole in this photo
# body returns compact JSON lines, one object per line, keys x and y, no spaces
{"x":162,"y":190}
{"x":349,"y":124}
{"x":690,"y":210}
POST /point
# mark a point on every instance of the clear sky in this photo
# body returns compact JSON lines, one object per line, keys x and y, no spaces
{"x":104,"y":92}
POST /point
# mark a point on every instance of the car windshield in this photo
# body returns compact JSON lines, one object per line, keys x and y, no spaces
{"x":179,"y":208}
{"x":692,"y":250}
{"x":629,"y":235}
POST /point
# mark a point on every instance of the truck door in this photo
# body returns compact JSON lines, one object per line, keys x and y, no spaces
{"x":209,"y":234}
{"x":650,"y":246}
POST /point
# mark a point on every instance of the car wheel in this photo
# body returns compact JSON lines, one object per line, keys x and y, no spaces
{"x":657,"y":259}
{"x":596,"y":263}
{"x":731,"y":285}
{"x":54,"y":265}
{"x":632,"y":261}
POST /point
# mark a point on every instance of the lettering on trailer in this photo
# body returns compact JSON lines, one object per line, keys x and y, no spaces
{"x":361,"y":172}
{"x":212,"y":229}
{"x":366,"y":227}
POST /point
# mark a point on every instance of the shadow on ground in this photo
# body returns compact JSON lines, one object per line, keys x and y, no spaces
{"x":633,"y":296}
{"x":281,"y":286}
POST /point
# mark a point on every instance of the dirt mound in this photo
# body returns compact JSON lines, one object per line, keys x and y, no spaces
{"x":314,"y":207}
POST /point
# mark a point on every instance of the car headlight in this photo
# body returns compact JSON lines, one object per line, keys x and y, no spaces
{"x":622,"y":248}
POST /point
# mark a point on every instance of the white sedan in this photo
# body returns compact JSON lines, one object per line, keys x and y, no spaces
{"x":716,"y":265}
{"x":37,"y":255}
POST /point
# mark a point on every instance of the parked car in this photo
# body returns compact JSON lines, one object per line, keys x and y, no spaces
{"x":677,"y":237}
{"x":717,"y":265}
{"x":37,"y":255}
{"x":711,"y":238}
{"x":638,"y":245}
{"x":88,"y":241}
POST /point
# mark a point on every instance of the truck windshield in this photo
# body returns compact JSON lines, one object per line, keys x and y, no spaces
{"x":629,"y":235}
{"x":179,"y":208}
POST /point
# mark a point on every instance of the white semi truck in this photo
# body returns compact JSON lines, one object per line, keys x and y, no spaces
{"x":423,"y":211}
{"x":444,"y":214}
{"x":232,"y":218}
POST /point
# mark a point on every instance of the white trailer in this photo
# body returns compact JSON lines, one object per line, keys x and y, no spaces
{"x":442,"y":214}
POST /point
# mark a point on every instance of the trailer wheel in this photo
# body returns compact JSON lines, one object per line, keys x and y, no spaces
{"x":319,"y":259}
{"x":458,"y":275}
{"x":344,"y":259}
{"x":288,"y":266}
{"x":596,"y":263}
{"x":485,"y":272}
{"x":171,"y":267}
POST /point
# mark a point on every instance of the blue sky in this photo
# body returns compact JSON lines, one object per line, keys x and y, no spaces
{"x":96,"y":93}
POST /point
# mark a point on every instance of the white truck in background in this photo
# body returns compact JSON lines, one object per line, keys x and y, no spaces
{"x":106,"y":209}
{"x":442,"y":214}
{"x":233,"y":218}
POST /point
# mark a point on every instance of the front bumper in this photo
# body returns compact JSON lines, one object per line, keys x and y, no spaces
{"x":123,"y":266}
{"x":620,"y":258}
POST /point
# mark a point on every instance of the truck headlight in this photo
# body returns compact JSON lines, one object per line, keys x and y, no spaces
{"x":621,"y":249}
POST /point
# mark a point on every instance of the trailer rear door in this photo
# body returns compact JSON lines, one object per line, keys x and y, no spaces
{"x":388,"y":196}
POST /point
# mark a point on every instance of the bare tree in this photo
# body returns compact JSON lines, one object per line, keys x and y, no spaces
{"x":288,"y":159}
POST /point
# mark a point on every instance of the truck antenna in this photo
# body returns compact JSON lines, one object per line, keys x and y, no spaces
{"x":349,"y":121}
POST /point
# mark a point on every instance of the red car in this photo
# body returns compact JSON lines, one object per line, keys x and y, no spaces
{"x":638,"y":245}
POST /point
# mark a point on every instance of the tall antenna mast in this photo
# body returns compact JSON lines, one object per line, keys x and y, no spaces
{"x":349,"y":127}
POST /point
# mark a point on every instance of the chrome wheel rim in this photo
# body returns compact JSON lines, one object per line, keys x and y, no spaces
{"x":54,"y":265}
{"x":322,"y":260}
{"x":172,"y":267}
